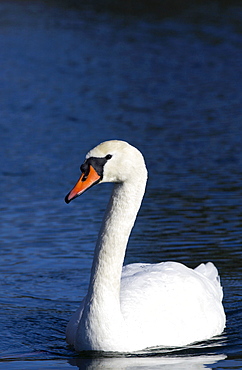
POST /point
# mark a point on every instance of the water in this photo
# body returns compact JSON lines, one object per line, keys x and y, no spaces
{"x":71,"y":78}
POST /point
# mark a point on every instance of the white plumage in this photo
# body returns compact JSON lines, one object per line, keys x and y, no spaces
{"x":138,"y":306}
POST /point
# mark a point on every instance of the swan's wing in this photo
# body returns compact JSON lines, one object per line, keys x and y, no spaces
{"x":138,"y":273}
{"x":210,"y":271}
{"x":133,"y":268}
{"x":169,"y":301}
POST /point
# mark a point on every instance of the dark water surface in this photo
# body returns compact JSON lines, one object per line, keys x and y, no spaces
{"x":70,"y":79}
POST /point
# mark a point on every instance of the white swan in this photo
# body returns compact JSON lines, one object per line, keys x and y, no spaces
{"x":140,"y":305}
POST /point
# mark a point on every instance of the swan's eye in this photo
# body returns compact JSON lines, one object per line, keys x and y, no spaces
{"x":84,"y":167}
{"x":85,"y":170}
{"x":108,"y":156}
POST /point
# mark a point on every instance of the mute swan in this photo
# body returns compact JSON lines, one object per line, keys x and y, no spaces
{"x":141,"y":305}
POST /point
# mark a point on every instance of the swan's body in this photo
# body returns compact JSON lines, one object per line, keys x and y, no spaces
{"x":137,"y":306}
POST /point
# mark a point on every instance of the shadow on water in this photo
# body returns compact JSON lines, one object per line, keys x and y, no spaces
{"x":195,"y":357}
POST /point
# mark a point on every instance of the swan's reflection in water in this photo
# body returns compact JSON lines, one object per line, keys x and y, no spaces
{"x":126,"y":363}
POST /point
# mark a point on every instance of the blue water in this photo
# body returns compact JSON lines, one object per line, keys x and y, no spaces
{"x":71,"y":78}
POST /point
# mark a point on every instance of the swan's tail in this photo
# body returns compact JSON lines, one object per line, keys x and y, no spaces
{"x":210,"y":271}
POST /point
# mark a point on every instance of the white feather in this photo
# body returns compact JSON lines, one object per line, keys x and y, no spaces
{"x":140,"y":305}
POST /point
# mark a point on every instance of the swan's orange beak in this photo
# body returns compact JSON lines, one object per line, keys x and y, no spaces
{"x":84,"y":183}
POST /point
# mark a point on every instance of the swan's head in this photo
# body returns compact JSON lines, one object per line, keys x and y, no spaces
{"x":111,"y":161}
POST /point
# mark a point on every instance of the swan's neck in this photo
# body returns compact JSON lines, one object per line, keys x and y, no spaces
{"x":117,"y":224}
{"x":102,"y":313}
